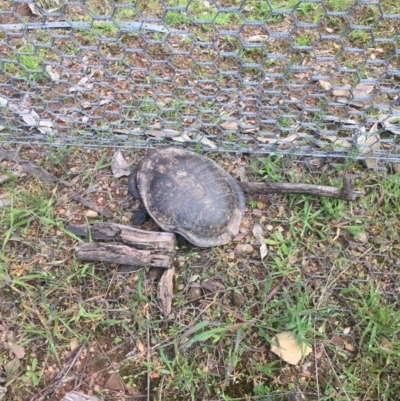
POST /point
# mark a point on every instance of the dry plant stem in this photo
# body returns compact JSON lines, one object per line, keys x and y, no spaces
{"x":274,"y":291}
{"x":140,"y":239}
{"x":90,"y":205}
{"x":148,"y":354}
{"x":345,"y":193}
{"x":122,"y":254}
{"x":31,"y":168}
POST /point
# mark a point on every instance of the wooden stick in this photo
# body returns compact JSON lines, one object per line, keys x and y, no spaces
{"x":140,"y":239}
{"x":345,"y":193}
{"x":123,"y":254}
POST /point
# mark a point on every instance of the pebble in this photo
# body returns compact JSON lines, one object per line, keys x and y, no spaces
{"x":244,"y":248}
{"x":238,"y":299}
{"x":194,"y":293}
{"x":361,"y":238}
{"x":91,"y":214}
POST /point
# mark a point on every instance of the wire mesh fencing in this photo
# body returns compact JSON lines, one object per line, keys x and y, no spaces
{"x":317,"y":77}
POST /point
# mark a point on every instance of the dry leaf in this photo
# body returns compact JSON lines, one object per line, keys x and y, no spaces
{"x":31,"y":118}
{"x":165,"y":291}
{"x":325,"y":85}
{"x":54,"y":75}
{"x":257,"y":38}
{"x":247,"y":248}
{"x":391,"y":124}
{"x":207,"y":142}
{"x":363,"y":89}
{"x":166,"y":133}
{"x":230,"y":125}
{"x":259,"y":235}
{"x":114,"y":383}
{"x":342,"y":92}
{"x":212,"y":286}
{"x":367,"y":144}
{"x":78,"y":396}
{"x":287,"y":348}
{"x":182,"y":138}
{"x":337,"y":141}
{"x":263,"y":139}
{"x":119,"y":166}
{"x":33,"y":9}
{"x":18,"y":351}
{"x":106,"y":100}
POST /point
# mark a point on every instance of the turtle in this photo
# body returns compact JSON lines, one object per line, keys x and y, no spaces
{"x":189,"y":194}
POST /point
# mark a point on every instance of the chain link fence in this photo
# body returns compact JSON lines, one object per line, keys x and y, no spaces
{"x":317,"y":77}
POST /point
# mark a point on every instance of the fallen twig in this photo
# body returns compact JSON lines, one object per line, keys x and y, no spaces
{"x":31,"y":168}
{"x":101,"y":210}
{"x":345,"y":193}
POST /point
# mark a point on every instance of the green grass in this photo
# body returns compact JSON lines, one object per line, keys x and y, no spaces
{"x":330,"y":289}
{"x":28,"y":63}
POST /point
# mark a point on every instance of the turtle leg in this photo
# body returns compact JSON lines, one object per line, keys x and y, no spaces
{"x":141,"y":214}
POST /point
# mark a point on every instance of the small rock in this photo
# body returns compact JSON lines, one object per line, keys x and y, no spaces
{"x":238,"y":299}
{"x":91,"y":214}
{"x":247,"y":248}
{"x":194,"y":293}
{"x":362,"y":238}
{"x":325,"y":85}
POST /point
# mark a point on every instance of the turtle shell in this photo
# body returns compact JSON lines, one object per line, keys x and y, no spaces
{"x":189,"y":194}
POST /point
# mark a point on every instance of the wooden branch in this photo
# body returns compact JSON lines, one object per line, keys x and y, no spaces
{"x":140,"y":239}
{"x":123,"y":254}
{"x":345,"y":193}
